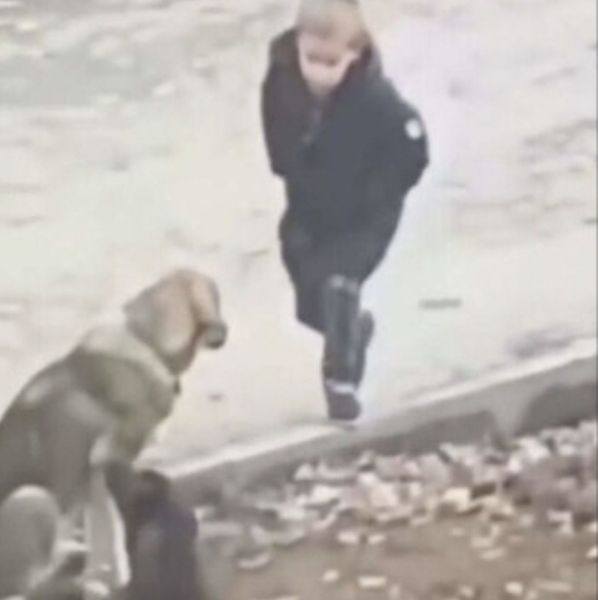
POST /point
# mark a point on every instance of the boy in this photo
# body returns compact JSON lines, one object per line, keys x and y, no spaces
{"x":349,"y":149}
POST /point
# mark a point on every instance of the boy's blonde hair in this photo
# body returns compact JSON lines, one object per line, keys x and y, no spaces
{"x":319,"y":14}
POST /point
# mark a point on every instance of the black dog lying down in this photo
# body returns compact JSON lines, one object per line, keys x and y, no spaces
{"x":162,"y":537}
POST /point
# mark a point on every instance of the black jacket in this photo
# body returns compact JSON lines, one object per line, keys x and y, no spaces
{"x":348,"y":165}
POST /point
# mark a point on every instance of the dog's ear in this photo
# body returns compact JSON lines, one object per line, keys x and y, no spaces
{"x":162,"y":316}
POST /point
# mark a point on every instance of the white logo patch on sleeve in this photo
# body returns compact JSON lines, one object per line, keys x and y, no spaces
{"x":414,"y":129}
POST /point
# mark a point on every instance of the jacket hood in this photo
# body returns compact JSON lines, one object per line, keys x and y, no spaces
{"x":283,"y":53}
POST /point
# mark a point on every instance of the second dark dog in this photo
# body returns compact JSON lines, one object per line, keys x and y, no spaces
{"x":162,"y":537}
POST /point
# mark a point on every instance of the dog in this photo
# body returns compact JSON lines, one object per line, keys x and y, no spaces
{"x":162,"y":537}
{"x":104,"y":399}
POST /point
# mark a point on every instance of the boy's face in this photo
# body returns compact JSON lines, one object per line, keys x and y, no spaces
{"x":328,"y":44}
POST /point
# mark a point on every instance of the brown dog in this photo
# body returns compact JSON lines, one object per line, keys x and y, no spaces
{"x":104,"y":399}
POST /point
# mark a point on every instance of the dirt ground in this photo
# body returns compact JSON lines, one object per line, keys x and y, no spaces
{"x":432,"y":562}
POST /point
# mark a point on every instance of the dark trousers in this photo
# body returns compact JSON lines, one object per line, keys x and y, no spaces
{"x":312,"y":258}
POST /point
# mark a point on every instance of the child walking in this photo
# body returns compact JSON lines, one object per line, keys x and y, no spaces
{"x":349,"y":149}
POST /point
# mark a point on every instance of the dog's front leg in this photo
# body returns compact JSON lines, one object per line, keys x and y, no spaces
{"x":108,"y":560}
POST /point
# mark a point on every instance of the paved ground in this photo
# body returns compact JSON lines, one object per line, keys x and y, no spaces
{"x":130,"y":143}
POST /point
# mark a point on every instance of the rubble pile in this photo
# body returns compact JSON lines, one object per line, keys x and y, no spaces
{"x":543,"y":483}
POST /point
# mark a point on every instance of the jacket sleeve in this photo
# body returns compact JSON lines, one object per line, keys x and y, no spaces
{"x":399,"y":160}
{"x":272,"y":122}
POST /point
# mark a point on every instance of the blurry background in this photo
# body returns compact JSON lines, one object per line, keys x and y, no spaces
{"x":130,"y":144}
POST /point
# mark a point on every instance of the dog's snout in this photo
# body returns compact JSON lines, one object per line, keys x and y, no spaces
{"x":216,"y":336}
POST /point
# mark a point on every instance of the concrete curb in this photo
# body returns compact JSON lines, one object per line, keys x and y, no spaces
{"x":554,"y":391}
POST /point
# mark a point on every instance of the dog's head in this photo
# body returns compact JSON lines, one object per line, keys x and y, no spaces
{"x":177,"y":316}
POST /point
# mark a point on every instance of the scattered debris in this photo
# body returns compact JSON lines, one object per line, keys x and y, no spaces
{"x":490,"y":501}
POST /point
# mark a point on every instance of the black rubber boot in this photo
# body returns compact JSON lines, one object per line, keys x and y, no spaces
{"x":366,"y":333}
{"x":343,"y":348}
{"x":343,"y":401}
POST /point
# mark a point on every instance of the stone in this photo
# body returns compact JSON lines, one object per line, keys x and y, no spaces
{"x":400,"y":515}
{"x":323,"y":495}
{"x":27,"y":26}
{"x":532,"y":451}
{"x":554,"y":587}
{"x":559,"y":518}
{"x":285,"y":537}
{"x":164,"y":90}
{"x":583,"y":504}
{"x":331,"y":577}
{"x":379,"y":494}
{"x":392,"y":468}
{"x":377,"y":539}
{"x":455,"y":501}
{"x":435,"y":472}
{"x":255,"y":561}
{"x":458,"y":532}
{"x":592,"y":528}
{"x":349,"y":537}
{"x":421,"y":520}
{"x":203,"y":513}
{"x":338,"y":475}
{"x":493,"y":554}
{"x":515,"y":589}
{"x":291,"y":513}
{"x":469,"y":592}
{"x":217,"y":530}
{"x":372,"y":583}
{"x":455,"y":454}
{"x":325,"y":523}
{"x":499,"y":509}
{"x":412,"y":492}
{"x":305,"y":474}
